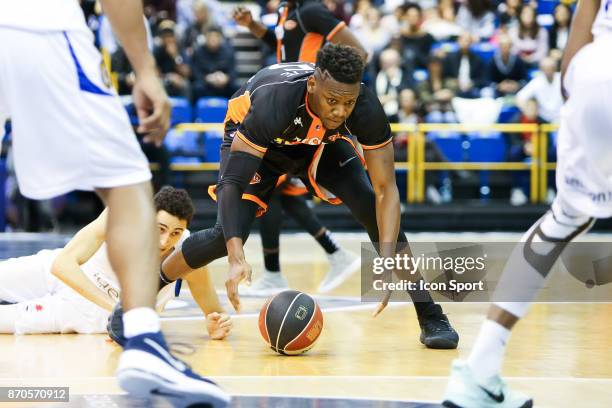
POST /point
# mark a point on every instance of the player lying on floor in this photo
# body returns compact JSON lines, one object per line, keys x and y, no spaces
{"x":73,"y":289}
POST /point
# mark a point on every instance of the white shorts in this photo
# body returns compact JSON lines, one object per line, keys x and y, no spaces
{"x":70,"y":130}
{"x":584,"y":147}
{"x":45,"y":304}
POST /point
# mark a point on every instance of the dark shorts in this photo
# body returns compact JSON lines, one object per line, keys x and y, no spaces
{"x":297,"y":161}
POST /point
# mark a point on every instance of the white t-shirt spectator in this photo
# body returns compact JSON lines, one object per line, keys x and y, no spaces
{"x":547,"y":95}
{"x":482,"y":27}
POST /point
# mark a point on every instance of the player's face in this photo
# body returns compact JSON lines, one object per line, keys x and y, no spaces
{"x":332,"y":101}
{"x":170,"y":230}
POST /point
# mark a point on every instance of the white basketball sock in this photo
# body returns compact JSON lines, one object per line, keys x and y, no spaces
{"x":487,"y":355}
{"x":139,"y":321}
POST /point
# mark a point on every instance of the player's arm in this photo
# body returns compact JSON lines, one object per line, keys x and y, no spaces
{"x":218,"y":323}
{"x":345,"y":36}
{"x":381,"y":169}
{"x":67,"y":265}
{"x":243,"y":17}
{"x":242,"y":163}
{"x":152,"y":104}
{"x":580,"y":31}
{"x":318,"y":19}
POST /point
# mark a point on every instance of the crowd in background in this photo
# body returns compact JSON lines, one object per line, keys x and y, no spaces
{"x":424,"y":59}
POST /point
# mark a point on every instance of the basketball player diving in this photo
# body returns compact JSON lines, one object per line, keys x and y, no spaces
{"x":73,"y":289}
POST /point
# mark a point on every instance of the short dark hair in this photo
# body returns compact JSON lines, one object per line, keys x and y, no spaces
{"x":411,"y":5}
{"x":343,"y":62}
{"x":174,"y":201}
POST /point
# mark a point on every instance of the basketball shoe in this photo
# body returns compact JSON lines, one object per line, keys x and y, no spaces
{"x":436,"y":330}
{"x":270,"y":283}
{"x":463,"y":391}
{"x":342,"y":264}
{"x":147,"y":369}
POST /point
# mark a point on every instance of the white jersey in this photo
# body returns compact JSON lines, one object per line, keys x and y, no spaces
{"x":602,"y":26}
{"x":42,"y":15}
{"x":98,"y":268}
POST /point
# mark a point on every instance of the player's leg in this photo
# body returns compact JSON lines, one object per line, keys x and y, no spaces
{"x":583,"y":170}
{"x":271,"y":280}
{"x":351,"y":184}
{"x":27,"y":277}
{"x":75,"y":135}
{"x":342,"y":262}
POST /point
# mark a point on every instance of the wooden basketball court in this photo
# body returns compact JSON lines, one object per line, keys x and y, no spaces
{"x":560,"y":354}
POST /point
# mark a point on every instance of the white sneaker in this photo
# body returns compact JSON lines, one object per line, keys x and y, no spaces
{"x":463,"y":391}
{"x":342,"y":264}
{"x":270,"y":283}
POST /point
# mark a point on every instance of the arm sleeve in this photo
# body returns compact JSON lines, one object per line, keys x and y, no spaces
{"x":236,"y":176}
{"x":318,"y":19}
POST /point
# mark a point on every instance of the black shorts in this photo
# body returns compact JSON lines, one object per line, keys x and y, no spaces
{"x":300,"y":161}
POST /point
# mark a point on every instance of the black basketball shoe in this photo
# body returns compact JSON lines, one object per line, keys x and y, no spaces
{"x":436,"y":330}
{"x":115,"y":325}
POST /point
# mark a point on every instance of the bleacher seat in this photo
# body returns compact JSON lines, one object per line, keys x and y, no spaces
{"x":508,"y":114}
{"x":547,"y":6}
{"x":181,"y":111}
{"x":212,"y":146}
{"x":211,"y":110}
{"x":450,"y":144}
{"x":185,"y":144}
{"x":486,"y":147}
{"x":484,"y":50}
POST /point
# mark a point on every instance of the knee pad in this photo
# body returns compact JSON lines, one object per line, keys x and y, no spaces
{"x":547,"y":239}
{"x":204,"y":246}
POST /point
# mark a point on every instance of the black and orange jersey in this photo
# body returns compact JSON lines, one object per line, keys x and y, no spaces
{"x":302,"y":30}
{"x":271,"y":110}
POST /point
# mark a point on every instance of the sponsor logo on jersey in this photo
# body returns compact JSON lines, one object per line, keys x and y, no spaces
{"x":256,"y":179}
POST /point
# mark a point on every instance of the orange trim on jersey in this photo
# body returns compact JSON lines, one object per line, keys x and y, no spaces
{"x":279,"y":42}
{"x":253,"y":145}
{"x":281,"y":180}
{"x":335,"y":31}
{"x":313,"y":183}
{"x":378,"y":146}
{"x":291,"y":190}
{"x":310,"y":46}
{"x":237,"y":108}
{"x":263,"y":207}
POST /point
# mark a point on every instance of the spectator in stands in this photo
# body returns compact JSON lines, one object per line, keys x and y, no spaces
{"x":392,"y":21}
{"x":437,"y":92}
{"x":502,"y":30}
{"x":477,"y":18}
{"x":359,"y":18}
{"x":407,"y":114}
{"x":559,"y":31}
{"x":415,"y":43}
{"x":440,"y":21}
{"x":545,"y":89}
{"x":529,"y":39}
{"x":467,"y":67}
{"x":521,"y":149}
{"x":186,"y":14}
{"x":390,"y":81}
{"x":203,"y":20}
{"x":372,"y":35}
{"x":507,"y":72}
{"x":162,"y":9}
{"x":213,"y":67}
{"x":509,"y":11}
{"x":171,"y":61}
